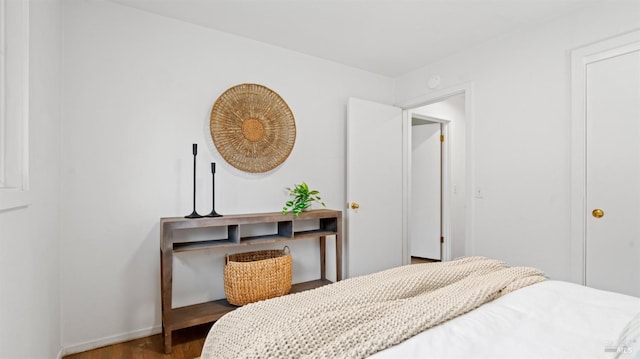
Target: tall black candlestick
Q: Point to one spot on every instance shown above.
(213, 192)
(194, 214)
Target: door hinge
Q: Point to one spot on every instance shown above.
(441, 239)
(441, 138)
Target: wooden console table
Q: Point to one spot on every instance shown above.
(329, 223)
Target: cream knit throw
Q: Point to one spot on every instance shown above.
(357, 317)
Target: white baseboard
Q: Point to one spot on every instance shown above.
(114, 339)
(59, 356)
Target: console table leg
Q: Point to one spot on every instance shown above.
(166, 336)
(323, 256)
(166, 287)
(339, 254)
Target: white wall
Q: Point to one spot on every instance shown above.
(29, 259)
(138, 91)
(522, 139)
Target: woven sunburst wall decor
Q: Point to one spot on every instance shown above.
(252, 128)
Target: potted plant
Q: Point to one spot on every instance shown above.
(303, 198)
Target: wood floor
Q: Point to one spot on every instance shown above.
(415, 260)
(187, 344)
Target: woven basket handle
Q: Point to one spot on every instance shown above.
(286, 250)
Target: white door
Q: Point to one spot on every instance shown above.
(374, 185)
(613, 174)
(426, 169)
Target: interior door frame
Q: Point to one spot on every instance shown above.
(580, 58)
(445, 173)
(433, 97)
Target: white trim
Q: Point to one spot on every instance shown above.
(437, 96)
(113, 339)
(580, 58)
(11, 198)
(445, 185)
(428, 118)
(25, 97)
(446, 193)
(14, 192)
(3, 25)
(406, 183)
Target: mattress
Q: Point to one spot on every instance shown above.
(551, 319)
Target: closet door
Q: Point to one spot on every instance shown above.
(613, 173)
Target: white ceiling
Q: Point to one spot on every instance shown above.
(387, 37)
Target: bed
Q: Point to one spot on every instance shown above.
(472, 307)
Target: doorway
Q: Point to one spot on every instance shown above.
(378, 176)
(437, 179)
(427, 160)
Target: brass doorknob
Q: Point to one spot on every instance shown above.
(355, 205)
(598, 213)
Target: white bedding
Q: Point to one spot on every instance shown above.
(552, 319)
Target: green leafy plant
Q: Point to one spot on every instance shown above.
(303, 198)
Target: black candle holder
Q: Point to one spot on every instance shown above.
(213, 192)
(194, 214)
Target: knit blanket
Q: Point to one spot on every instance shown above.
(357, 317)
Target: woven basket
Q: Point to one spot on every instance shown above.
(259, 275)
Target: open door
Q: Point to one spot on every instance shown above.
(374, 218)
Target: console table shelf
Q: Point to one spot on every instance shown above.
(191, 315)
(326, 223)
